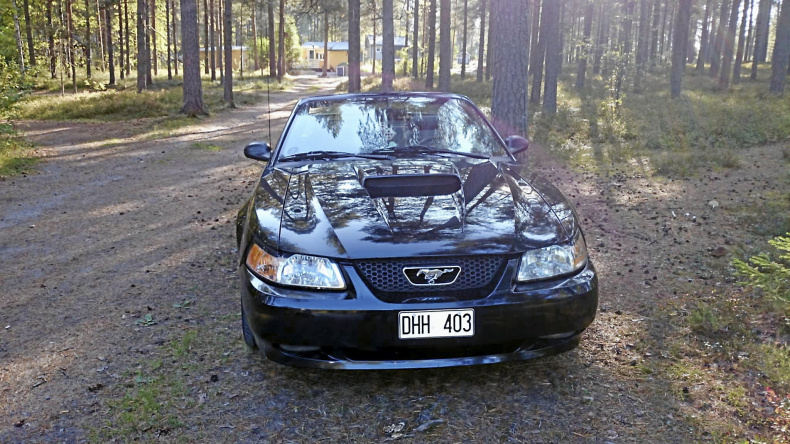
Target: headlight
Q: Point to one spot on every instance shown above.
(298, 270)
(551, 261)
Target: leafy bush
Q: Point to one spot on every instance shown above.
(11, 84)
(106, 105)
(772, 276)
(15, 156)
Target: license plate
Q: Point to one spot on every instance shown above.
(436, 324)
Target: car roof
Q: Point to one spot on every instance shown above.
(383, 95)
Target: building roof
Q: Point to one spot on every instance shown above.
(220, 48)
(333, 46)
(399, 40)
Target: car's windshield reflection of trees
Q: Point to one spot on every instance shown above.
(330, 118)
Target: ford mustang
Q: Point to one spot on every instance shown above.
(400, 230)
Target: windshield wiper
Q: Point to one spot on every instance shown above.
(328, 155)
(424, 149)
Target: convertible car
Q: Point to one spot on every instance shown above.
(400, 230)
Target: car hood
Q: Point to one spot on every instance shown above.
(330, 209)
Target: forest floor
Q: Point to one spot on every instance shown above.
(119, 308)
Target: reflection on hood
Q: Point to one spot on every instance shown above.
(323, 209)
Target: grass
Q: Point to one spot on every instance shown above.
(122, 102)
(15, 152)
(702, 129)
(207, 146)
(769, 216)
(155, 394)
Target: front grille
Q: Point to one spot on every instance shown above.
(476, 279)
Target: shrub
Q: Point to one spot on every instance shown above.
(772, 276)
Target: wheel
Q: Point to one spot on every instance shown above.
(246, 331)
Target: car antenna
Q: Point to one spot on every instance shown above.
(269, 107)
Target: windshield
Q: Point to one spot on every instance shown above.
(370, 124)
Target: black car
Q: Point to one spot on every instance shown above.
(398, 231)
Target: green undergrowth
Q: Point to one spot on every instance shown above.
(15, 152)
(705, 128)
(96, 101)
(767, 216)
(172, 383)
(155, 397)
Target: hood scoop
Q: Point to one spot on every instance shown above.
(412, 185)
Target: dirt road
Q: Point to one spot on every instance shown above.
(119, 311)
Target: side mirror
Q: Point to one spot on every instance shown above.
(258, 151)
(517, 144)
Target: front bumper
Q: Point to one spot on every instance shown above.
(358, 331)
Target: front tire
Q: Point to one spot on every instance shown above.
(246, 331)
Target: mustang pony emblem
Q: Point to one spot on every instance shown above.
(431, 274)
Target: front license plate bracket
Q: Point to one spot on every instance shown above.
(423, 324)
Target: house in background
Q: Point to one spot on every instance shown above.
(241, 55)
(313, 55)
(371, 49)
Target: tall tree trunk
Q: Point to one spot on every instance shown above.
(29, 32)
(227, 40)
(781, 54)
(110, 59)
(625, 41)
(375, 46)
(510, 57)
(193, 88)
(654, 31)
(88, 59)
(175, 41)
(538, 56)
(750, 33)
(463, 40)
(736, 70)
(489, 49)
(18, 36)
(100, 34)
(126, 36)
(581, 68)
(762, 28)
(761, 36)
(387, 45)
(642, 50)
(51, 42)
(256, 58)
(431, 45)
(120, 41)
(281, 45)
(326, 41)
(415, 51)
(603, 38)
(662, 40)
(445, 46)
(148, 75)
(272, 48)
(208, 27)
(703, 44)
(153, 37)
(482, 43)
(721, 32)
(212, 42)
(550, 23)
(141, 49)
(167, 41)
(72, 56)
(728, 46)
(221, 38)
(354, 47)
(679, 42)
